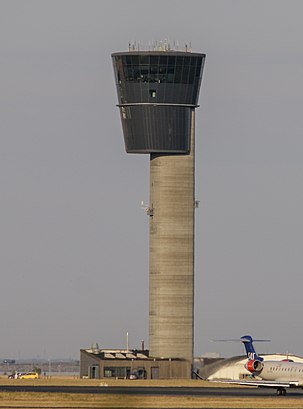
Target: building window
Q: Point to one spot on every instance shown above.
(152, 93)
(116, 372)
(160, 69)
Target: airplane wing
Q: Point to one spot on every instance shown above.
(269, 384)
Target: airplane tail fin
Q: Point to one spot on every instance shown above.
(249, 347)
(248, 341)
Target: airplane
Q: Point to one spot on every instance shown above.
(272, 374)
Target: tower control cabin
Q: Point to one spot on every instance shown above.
(158, 93)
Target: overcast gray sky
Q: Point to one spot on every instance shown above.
(73, 238)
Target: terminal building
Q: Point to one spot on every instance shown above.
(98, 363)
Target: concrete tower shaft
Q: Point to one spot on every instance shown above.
(172, 199)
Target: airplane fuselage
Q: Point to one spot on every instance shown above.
(282, 371)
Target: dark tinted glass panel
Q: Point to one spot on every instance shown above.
(130, 73)
(128, 60)
(144, 69)
(153, 77)
(179, 60)
(185, 73)
(125, 70)
(198, 70)
(162, 73)
(170, 77)
(192, 71)
(187, 61)
(154, 69)
(136, 72)
(154, 59)
(170, 73)
(171, 60)
(178, 74)
(153, 73)
(144, 59)
(199, 63)
(163, 60)
(135, 59)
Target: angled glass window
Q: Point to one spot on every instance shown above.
(178, 74)
(135, 59)
(179, 61)
(172, 60)
(154, 59)
(137, 74)
(199, 65)
(170, 73)
(163, 60)
(130, 73)
(185, 73)
(144, 73)
(192, 71)
(153, 76)
(144, 59)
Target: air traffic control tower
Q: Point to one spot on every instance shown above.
(158, 93)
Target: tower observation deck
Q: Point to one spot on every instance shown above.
(158, 92)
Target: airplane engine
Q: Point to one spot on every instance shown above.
(254, 366)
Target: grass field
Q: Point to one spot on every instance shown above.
(63, 400)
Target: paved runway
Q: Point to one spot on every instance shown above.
(169, 391)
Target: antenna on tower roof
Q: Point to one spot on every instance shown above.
(161, 45)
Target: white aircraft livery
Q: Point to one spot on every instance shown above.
(274, 374)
